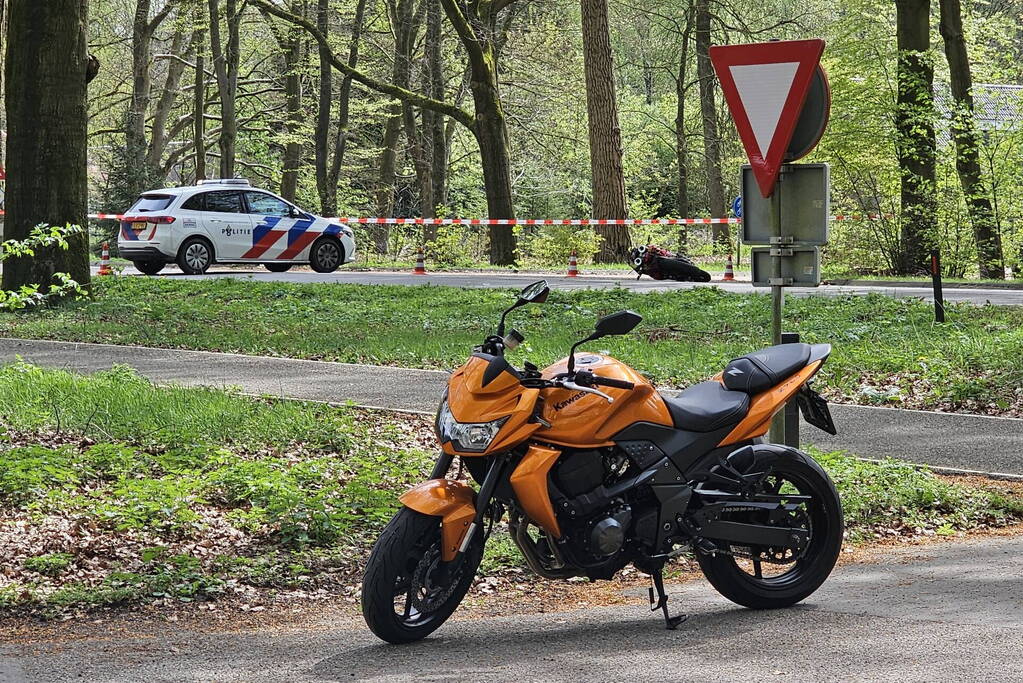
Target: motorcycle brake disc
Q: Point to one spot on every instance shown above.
(426, 596)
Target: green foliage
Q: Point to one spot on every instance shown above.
(121, 404)
(52, 564)
(34, 295)
(551, 246)
(893, 497)
(179, 577)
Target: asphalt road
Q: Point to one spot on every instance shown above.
(947, 611)
(604, 281)
(967, 442)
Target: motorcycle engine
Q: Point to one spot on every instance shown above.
(607, 534)
(596, 526)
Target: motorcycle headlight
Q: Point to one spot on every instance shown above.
(467, 437)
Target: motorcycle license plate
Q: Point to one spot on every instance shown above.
(815, 410)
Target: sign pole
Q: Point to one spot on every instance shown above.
(777, 434)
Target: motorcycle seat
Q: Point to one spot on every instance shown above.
(759, 371)
(707, 406)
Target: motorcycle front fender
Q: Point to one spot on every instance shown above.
(453, 502)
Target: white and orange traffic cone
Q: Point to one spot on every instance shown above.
(104, 263)
(420, 263)
(729, 271)
(573, 265)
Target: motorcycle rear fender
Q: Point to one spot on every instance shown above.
(452, 501)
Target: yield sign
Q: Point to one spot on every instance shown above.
(765, 86)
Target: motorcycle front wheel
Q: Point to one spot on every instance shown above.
(770, 578)
(407, 592)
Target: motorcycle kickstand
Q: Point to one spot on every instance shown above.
(670, 623)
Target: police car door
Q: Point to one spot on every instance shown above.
(227, 223)
(279, 232)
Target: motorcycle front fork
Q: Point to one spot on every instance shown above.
(484, 497)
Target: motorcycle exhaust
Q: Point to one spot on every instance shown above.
(529, 549)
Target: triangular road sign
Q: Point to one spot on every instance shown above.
(765, 86)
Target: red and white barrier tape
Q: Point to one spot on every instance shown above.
(542, 221)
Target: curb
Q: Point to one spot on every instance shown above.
(913, 284)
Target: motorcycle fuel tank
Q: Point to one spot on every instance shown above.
(584, 420)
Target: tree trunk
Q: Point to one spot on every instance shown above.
(491, 134)
(292, 161)
(164, 106)
(385, 187)
(3, 81)
(914, 138)
(978, 203)
(225, 62)
(708, 112)
(681, 141)
(434, 123)
(607, 175)
(135, 119)
(199, 99)
(407, 23)
(321, 138)
(45, 73)
(344, 104)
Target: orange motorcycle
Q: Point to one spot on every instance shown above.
(595, 478)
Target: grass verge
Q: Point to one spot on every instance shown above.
(116, 492)
(886, 351)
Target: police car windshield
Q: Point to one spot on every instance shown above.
(151, 202)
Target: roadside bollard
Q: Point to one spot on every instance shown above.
(939, 298)
(420, 263)
(573, 265)
(104, 263)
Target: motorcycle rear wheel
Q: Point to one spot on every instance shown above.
(406, 595)
(745, 582)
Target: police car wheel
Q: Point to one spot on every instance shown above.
(148, 267)
(277, 267)
(326, 255)
(195, 256)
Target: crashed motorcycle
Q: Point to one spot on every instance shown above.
(661, 264)
(595, 470)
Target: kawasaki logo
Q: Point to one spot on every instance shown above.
(569, 401)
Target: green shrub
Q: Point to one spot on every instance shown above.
(53, 564)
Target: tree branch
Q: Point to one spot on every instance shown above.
(160, 16)
(460, 115)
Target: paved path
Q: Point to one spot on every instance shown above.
(603, 281)
(949, 612)
(984, 444)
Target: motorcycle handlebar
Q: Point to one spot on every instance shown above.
(587, 378)
(616, 383)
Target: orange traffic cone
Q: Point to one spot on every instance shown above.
(729, 272)
(104, 263)
(573, 265)
(420, 263)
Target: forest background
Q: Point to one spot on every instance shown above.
(508, 108)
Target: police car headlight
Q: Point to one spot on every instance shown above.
(348, 231)
(467, 437)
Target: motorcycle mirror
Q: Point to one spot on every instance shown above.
(535, 293)
(621, 322)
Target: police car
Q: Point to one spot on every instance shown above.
(229, 221)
